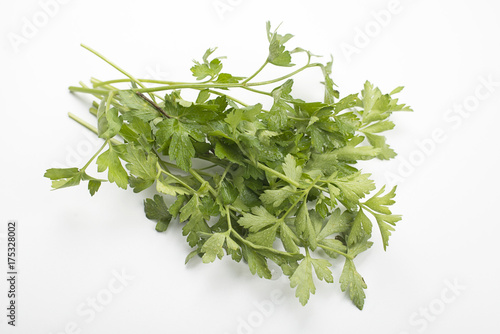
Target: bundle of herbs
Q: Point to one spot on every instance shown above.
(277, 185)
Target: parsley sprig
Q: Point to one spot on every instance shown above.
(276, 185)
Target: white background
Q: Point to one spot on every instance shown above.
(72, 245)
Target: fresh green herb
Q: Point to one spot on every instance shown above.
(276, 185)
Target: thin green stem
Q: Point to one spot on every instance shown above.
(90, 127)
(335, 251)
(109, 100)
(292, 207)
(117, 67)
(202, 181)
(114, 65)
(109, 82)
(207, 167)
(224, 174)
(254, 246)
(257, 91)
(95, 155)
(256, 72)
(176, 179)
(291, 74)
(92, 91)
(278, 174)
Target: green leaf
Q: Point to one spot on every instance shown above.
(380, 203)
(259, 218)
(277, 117)
(61, 173)
(169, 186)
(277, 53)
(305, 227)
(350, 153)
(330, 93)
(94, 186)
(290, 168)
(347, 102)
(359, 247)
(289, 239)
(191, 213)
(227, 78)
(397, 90)
(385, 219)
(213, 248)
(137, 106)
(332, 247)
(322, 271)
(351, 280)
(276, 197)
(337, 223)
(237, 116)
(68, 182)
(109, 122)
(207, 68)
(303, 280)
(378, 142)
(386, 224)
(361, 228)
(110, 161)
(177, 205)
(264, 237)
(227, 192)
(203, 96)
(140, 164)
(354, 186)
(182, 150)
(231, 152)
(157, 210)
(379, 127)
(256, 263)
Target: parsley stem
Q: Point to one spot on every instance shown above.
(255, 74)
(116, 67)
(249, 243)
(224, 174)
(292, 207)
(255, 246)
(89, 126)
(278, 174)
(108, 82)
(95, 155)
(202, 181)
(304, 195)
(256, 91)
(336, 251)
(176, 179)
(291, 74)
(364, 206)
(89, 90)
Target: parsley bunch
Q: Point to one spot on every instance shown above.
(277, 185)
